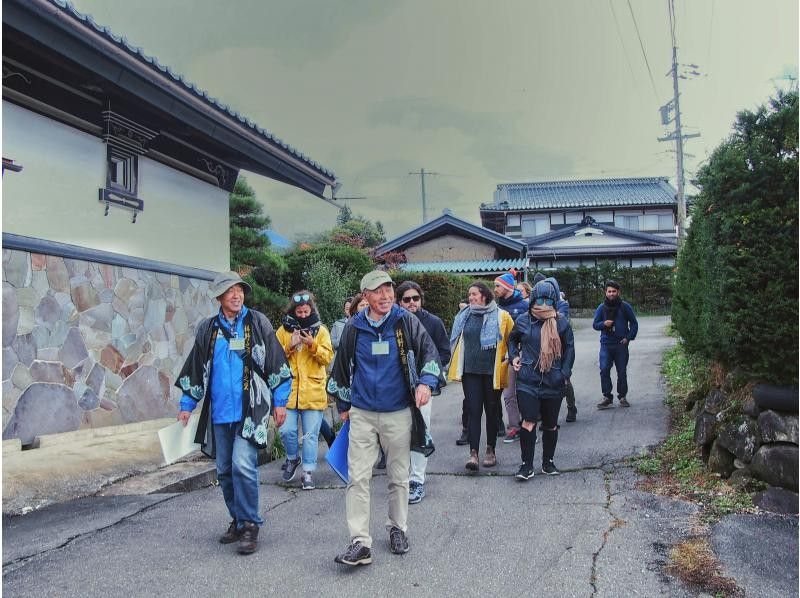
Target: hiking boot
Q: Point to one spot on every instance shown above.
(416, 492)
(572, 412)
(232, 535)
(623, 402)
(308, 481)
(355, 554)
(605, 403)
(398, 543)
(549, 468)
(525, 472)
(248, 539)
(464, 438)
(291, 469)
(490, 459)
(472, 464)
(511, 436)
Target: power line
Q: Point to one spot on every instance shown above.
(641, 45)
(621, 41)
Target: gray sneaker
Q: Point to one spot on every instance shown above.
(355, 554)
(398, 543)
(605, 403)
(291, 469)
(416, 492)
(308, 481)
(623, 402)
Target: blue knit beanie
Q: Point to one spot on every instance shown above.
(507, 280)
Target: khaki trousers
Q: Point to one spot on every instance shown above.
(367, 430)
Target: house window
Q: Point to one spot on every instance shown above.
(629, 222)
(573, 217)
(602, 217)
(533, 226)
(650, 222)
(512, 220)
(122, 170)
(557, 218)
(665, 222)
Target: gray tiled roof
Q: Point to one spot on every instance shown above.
(122, 42)
(583, 194)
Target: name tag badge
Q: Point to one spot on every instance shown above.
(380, 348)
(236, 344)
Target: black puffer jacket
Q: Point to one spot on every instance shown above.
(525, 341)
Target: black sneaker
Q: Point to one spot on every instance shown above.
(572, 412)
(232, 535)
(355, 554)
(550, 468)
(605, 403)
(398, 543)
(464, 438)
(525, 472)
(623, 402)
(291, 470)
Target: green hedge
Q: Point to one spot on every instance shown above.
(443, 292)
(737, 281)
(648, 289)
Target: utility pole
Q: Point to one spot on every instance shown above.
(422, 174)
(677, 135)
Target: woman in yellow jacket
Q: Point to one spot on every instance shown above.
(307, 344)
(479, 342)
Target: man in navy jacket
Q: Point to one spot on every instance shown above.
(617, 324)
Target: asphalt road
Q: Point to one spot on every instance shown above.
(586, 532)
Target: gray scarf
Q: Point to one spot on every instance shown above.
(490, 328)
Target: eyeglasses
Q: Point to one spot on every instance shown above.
(543, 301)
(303, 297)
(410, 299)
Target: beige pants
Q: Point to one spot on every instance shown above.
(393, 432)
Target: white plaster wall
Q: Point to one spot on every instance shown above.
(55, 197)
(584, 241)
(448, 248)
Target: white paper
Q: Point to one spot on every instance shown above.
(177, 440)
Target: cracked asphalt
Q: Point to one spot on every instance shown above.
(587, 532)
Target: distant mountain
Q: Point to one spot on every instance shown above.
(279, 243)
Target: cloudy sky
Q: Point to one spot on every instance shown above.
(481, 93)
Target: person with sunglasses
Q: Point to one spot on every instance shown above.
(307, 344)
(478, 343)
(410, 296)
(542, 351)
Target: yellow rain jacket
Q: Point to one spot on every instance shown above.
(500, 378)
(308, 369)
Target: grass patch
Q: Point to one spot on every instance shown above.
(693, 561)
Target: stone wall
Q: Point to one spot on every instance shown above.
(742, 440)
(87, 345)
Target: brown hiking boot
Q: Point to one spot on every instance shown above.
(248, 539)
(623, 402)
(231, 536)
(472, 464)
(490, 460)
(605, 403)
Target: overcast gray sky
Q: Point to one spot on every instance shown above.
(481, 93)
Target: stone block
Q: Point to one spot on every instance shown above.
(47, 371)
(57, 274)
(25, 348)
(44, 408)
(78, 267)
(59, 334)
(38, 262)
(141, 396)
(705, 429)
(119, 326)
(74, 350)
(84, 296)
(48, 354)
(96, 379)
(10, 361)
(715, 402)
(10, 314)
(48, 312)
(720, 460)
(27, 300)
(777, 500)
(777, 465)
(21, 377)
(40, 284)
(774, 426)
(111, 358)
(89, 400)
(17, 270)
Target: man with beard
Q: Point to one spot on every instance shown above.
(617, 324)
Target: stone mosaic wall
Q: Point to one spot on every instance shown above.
(87, 345)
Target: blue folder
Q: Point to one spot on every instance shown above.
(337, 454)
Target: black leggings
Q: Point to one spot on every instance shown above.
(481, 396)
(531, 409)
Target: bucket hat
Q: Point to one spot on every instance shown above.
(372, 280)
(225, 280)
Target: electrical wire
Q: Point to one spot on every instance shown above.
(621, 41)
(641, 45)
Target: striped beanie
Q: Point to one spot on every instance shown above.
(507, 280)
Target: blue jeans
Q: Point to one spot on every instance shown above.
(616, 355)
(237, 472)
(311, 421)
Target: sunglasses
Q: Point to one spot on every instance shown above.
(303, 297)
(543, 301)
(410, 299)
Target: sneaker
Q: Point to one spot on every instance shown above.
(464, 438)
(472, 464)
(398, 543)
(511, 436)
(232, 535)
(572, 412)
(605, 403)
(248, 540)
(623, 402)
(550, 468)
(291, 469)
(416, 492)
(355, 554)
(308, 481)
(525, 472)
